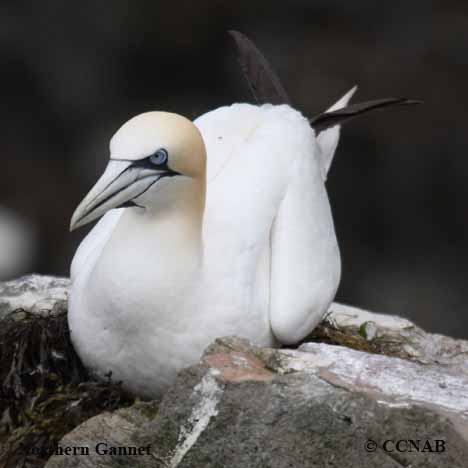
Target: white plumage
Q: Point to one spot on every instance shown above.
(154, 284)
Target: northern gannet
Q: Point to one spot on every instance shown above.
(216, 227)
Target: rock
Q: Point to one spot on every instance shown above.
(364, 390)
(398, 336)
(108, 430)
(321, 405)
(34, 293)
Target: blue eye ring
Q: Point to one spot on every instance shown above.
(159, 158)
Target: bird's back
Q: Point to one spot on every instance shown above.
(251, 160)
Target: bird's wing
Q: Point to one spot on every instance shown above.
(265, 190)
(305, 260)
(328, 139)
(262, 80)
(92, 245)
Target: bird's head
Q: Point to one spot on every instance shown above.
(154, 157)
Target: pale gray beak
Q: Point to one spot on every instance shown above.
(121, 182)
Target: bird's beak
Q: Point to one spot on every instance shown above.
(121, 182)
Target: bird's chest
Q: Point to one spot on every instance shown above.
(144, 279)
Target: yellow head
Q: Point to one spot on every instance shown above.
(154, 158)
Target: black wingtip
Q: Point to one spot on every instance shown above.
(262, 80)
(267, 88)
(331, 119)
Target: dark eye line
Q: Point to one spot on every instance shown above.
(146, 162)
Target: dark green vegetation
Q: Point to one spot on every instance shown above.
(45, 391)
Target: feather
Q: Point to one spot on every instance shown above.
(262, 80)
(330, 119)
(328, 139)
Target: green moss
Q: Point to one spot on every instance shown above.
(45, 391)
(328, 331)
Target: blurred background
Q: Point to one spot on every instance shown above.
(73, 72)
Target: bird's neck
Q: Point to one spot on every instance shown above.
(167, 239)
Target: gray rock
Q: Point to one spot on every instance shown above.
(33, 293)
(109, 430)
(399, 336)
(321, 406)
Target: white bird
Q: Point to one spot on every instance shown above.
(212, 228)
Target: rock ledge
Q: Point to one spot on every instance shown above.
(362, 383)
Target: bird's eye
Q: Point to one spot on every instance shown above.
(159, 158)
